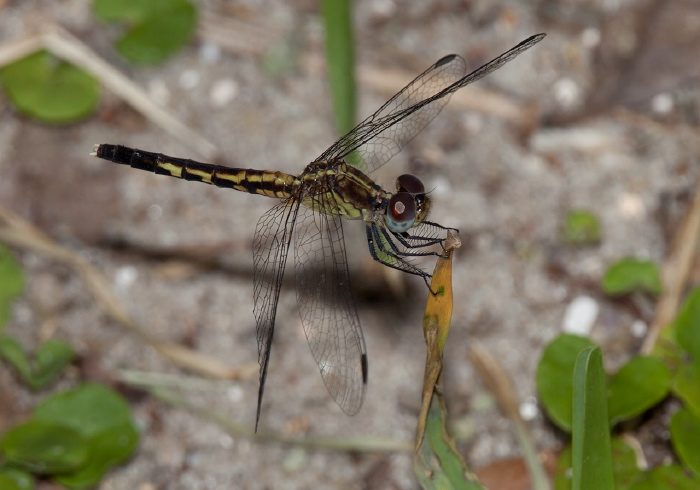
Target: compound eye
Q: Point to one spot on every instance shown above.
(401, 212)
(411, 184)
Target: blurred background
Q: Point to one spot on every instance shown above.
(601, 116)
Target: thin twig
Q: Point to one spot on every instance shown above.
(676, 271)
(500, 384)
(20, 233)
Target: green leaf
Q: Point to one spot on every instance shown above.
(11, 351)
(591, 450)
(44, 447)
(158, 28)
(48, 363)
(685, 434)
(628, 275)
(11, 283)
(90, 409)
(687, 387)
(50, 90)
(107, 449)
(637, 386)
(15, 479)
(437, 464)
(104, 418)
(555, 377)
(665, 478)
(688, 325)
(581, 228)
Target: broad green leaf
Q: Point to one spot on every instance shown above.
(15, 479)
(91, 409)
(581, 228)
(637, 386)
(688, 325)
(44, 447)
(591, 451)
(157, 28)
(665, 478)
(11, 283)
(687, 387)
(685, 434)
(50, 90)
(107, 449)
(628, 275)
(555, 377)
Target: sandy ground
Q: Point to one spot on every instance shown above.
(602, 115)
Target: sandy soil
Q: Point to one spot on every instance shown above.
(602, 115)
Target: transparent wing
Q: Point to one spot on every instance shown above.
(327, 309)
(270, 249)
(383, 134)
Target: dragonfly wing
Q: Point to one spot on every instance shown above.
(383, 134)
(270, 248)
(327, 309)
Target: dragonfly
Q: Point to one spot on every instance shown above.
(312, 206)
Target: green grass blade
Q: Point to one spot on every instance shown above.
(340, 56)
(592, 454)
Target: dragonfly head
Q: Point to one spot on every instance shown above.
(409, 206)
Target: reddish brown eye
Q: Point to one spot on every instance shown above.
(401, 212)
(410, 183)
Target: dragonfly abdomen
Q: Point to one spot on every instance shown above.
(263, 182)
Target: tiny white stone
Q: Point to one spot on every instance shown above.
(222, 92)
(631, 206)
(210, 52)
(125, 276)
(590, 37)
(189, 79)
(528, 409)
(580, 315)
(662, 103)
(639, 328)
(154, 212)
(567, 92)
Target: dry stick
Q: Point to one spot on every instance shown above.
(18, 232)
(498, 382)
(676, 271)
(64, 45)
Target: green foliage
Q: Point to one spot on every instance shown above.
(45, 448)
(45, 366)
(50, 90)
(685, 434)
(581, 228)
(628, 275)
(687, 325)
(591, 453)
(157, 28)
(75, 436)
(15, 479)
(555, 377)
(11, 283)
(639, 385)
(627, 475)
